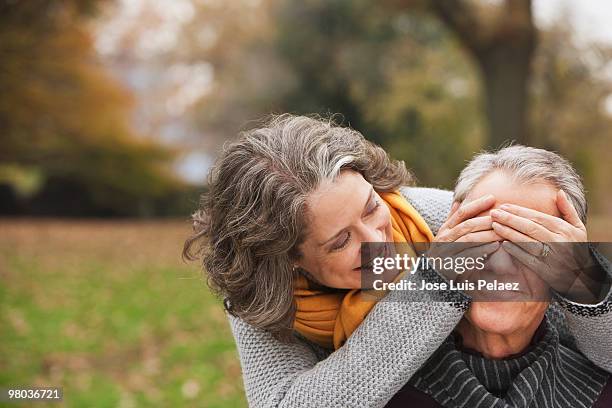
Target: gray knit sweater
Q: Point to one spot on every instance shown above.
(395, 339)
(546, 374)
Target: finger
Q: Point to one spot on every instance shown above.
(471, 225)
(510, 234)
(535, 248)
(567, 210)
(454, 207)
(563, 280)
(480, 250)
(533, 263)
(481, 236)
(525, 226)
(476, 253)
(452, 211)
(471, 209)
(550, 222)
(453, 249)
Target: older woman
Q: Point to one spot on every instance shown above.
(507, 354)
(280, 231)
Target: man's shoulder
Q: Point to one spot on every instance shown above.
(432, 203)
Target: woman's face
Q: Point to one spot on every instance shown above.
(341, 215)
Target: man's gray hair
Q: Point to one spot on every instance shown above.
(525, 165)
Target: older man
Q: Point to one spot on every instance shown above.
(506, 353)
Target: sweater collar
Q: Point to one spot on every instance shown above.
(460, 378)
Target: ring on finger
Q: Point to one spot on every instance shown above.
(546, 250)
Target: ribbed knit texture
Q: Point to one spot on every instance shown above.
(392, 343)
(549, 375)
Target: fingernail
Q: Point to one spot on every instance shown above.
(505, 206)
(496, 213)
(495, 225)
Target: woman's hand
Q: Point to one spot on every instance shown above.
(473, 236)
(554, 248)
(462, 224)
(520, 224)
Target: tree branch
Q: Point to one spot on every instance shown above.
(460, 18)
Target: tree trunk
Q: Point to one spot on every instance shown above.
(505, 75)
(501, 40)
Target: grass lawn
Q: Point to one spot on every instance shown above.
(108, 311)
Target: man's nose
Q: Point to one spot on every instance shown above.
(501, 262)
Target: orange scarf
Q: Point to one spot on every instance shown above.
(329, 318)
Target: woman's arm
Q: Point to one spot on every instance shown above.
(591, 325)
(391, 344)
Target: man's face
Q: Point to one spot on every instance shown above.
(508, 317)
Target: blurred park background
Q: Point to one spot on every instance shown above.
(112, 112)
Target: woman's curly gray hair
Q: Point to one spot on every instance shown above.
(253, 216)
